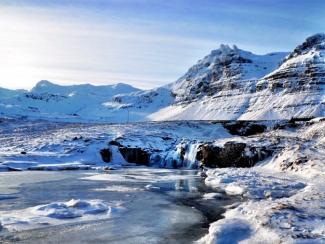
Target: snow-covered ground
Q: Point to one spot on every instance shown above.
(117, 103)
(53, 146)
(282, 196)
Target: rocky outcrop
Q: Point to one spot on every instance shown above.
(244, 128)
(135, 155)
(115, 143)
(193, 154)
(131, 154)
(106, 155)
(232, 154)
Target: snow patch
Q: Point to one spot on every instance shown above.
(58, 213)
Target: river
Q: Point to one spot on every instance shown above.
(158, 205)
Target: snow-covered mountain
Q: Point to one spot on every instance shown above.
(234, 84)
(229, 83)
(113, 103)
(224, 69)
(296, 88)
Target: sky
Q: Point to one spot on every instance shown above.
(145, 43)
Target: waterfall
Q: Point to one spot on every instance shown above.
(117, 157)
(190, 161)
(184, 156)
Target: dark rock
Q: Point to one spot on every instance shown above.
(77, 138)
(23, 152)
(106, 155)
(182, 153)
(166, 138)
(107, 168)
(14, 169)
(208, 155)
(135, 155)
(203, 174)
(253, 129)
(244, 128)
(114, 143)
(233, 154)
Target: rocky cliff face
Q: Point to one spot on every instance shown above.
(224, 69)
(303, 69)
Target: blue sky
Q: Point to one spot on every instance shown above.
(146, 43)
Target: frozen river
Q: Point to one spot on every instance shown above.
(130, 205)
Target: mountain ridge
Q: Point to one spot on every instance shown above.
(227, 84)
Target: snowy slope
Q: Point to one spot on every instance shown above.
(113, 103)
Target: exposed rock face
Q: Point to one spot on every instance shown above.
(135, 155)
(106, 155)
(302, 70)
(233, 154)
(244, 128)
(224, 69)
(114, 143)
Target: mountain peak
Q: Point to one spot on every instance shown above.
(43, 83)
(314, 42)
(225, 50)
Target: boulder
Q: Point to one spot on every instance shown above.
(114, 143)
(135, 155)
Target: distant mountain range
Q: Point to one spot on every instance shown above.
(229, 83)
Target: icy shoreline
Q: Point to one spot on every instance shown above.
(277, 208)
